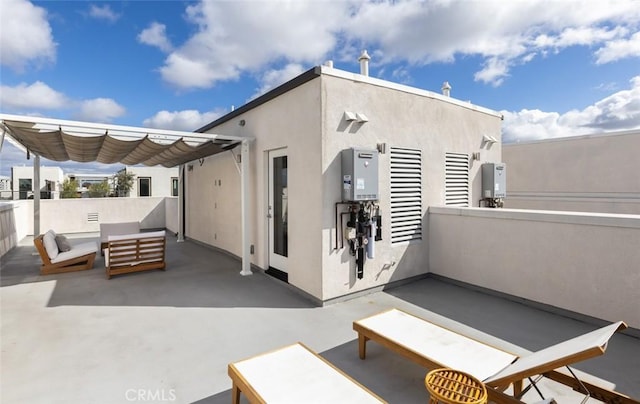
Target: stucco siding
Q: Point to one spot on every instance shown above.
(595, 173)
(399, 119)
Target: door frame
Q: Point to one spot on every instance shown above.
(274, 261)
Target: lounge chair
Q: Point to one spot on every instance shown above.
(433, 346)
(79, 258)
(295, 374)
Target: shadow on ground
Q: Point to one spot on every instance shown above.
(196, 276)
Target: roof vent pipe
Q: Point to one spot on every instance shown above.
(446, 89)
(364, 63)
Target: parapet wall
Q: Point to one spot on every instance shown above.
(581, 262)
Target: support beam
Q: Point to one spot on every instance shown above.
(245, 180)
(36, 195)
(181, 203)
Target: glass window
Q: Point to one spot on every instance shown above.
(174, 186)
(144, 186)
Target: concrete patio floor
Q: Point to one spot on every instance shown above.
(168, 336)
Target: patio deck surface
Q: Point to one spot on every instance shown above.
(168, 336)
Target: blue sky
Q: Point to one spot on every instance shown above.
(553, 68)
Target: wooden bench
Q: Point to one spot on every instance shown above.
(79, 258)
(134, 253)
(295, 374)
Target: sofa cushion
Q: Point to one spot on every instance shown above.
(77, 251)
(110, 229)
(50, 245)
(63, 243)
(160, 233)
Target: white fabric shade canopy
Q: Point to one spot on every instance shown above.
(109, 144)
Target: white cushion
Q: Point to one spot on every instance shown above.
(160, 233)
(50, 245)
(77, 251)
(108, 229)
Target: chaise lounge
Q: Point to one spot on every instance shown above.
(78, 257)
(433, 346)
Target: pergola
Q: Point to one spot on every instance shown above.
(62, 140)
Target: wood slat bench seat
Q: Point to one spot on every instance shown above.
(134, 253)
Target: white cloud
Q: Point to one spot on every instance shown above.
(504, 34)
(187, 120)
(274, 77)
(31, 96)
(155, 35)
(237, 37)
(103, 13)
(619, 49)
(25, 35)
(99, 110)
(619, 111)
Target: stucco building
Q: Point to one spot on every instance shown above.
(592, 173)
(430, 149)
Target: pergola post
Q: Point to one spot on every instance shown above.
(180, 203)
(244, 206)
(36, 195)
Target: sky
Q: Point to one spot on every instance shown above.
(552, 68)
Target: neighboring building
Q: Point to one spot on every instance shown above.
(51, 179)
(592, 173)
(5, 187)
(149, 181)
(154, 181)
(431, 150)
(85, 180)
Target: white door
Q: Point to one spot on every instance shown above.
(277, 210)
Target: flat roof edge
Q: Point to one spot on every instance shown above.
(268, 96)
(594, 135)
(329, 71)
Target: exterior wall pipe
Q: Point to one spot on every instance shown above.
(244, 206)
(36, 195)
(181, 203)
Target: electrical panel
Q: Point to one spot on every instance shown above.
(359, 175)
(494, 180)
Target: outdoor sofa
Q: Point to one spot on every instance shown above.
(116, 229)
(134, 253)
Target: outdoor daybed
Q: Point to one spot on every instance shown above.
(433, 346)
(134, 252)
(73, 257)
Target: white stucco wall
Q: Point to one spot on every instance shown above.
(399, 117)
(72, 215)
(160, 179)
(308, 122)
(13, 219)
(291, 121)
(583, 262)
(594, 173)
(53, 174)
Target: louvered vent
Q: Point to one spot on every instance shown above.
(457, 179)
(92, 217)
(406, 194)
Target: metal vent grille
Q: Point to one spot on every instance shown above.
(456, 179)
(406, 194)
(92, 217)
